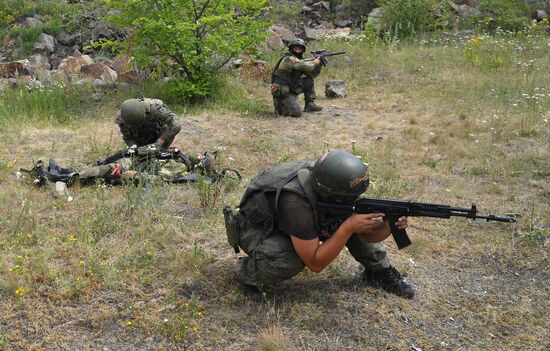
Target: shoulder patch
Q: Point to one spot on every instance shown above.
(293, 59)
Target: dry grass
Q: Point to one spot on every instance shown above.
(146, 268)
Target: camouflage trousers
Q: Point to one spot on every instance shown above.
(274, 260)
(288, 105)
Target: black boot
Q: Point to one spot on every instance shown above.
(390, 280)
(311, 107)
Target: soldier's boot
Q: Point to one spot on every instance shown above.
(312, 107)
(390, 280)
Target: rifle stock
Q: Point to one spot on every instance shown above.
(393, 209)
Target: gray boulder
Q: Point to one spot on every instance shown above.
(45, 44)
(335, 88)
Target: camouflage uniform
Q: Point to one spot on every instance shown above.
(291, 77)
(159, 122)
(271, 255)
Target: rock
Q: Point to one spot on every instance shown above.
(344, 24)
(274, 41)
(6, 83)
(322, 7)
(315, 33)
(61, 190)
(72, 65)
(285, 34)
(465, 11)
(45, 44)
(66, 39)
(99, 71)
(374, 20)
(339, 33)
(335, 88)
(122, 64)
(16, 69)
(32, 22)
(306, 10)
(40, 62)
(103, 30)
(539, 15)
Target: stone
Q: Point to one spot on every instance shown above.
(374, 19)
(339, 33)
(16, 69)
(45, 44)
(66, 39)
(99, 71)
(335, 88)
(103, 30)
(40, 62)
(467, 11)
(122, 64)
(274, 41)
(285, 34)
(32, 22)
(315, 33)
(323, 7)
(72, 65)
(344, 24)
(539, 15)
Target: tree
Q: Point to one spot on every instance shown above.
(196, 36)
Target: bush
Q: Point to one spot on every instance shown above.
(512, 15)
(404, 18)
(192, 38)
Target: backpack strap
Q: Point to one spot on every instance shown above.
(280, 188)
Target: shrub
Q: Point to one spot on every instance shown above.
(512, 15)
(404, 18)
(192, 38)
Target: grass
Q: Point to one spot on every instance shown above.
(149, 267)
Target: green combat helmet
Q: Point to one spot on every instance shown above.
(297, 42)
(132, 112)
(340, 174)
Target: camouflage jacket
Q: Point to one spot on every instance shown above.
(160, 122)
(290, 69)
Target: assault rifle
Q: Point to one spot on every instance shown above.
(142, 152)
(393, 209)
(323, 54)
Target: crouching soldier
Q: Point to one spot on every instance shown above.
(280, 228)
(292, 76)
(147, 122)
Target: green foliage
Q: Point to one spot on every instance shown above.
(512, 15)
(192, 38)
(37, 104)
(405, 18)
(28, 36)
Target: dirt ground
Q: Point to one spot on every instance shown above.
(478, 286)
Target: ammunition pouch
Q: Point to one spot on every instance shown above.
(232, 227)
(279, 91)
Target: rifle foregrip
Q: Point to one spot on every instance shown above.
(399, 235)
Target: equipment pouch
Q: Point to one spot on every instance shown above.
(279, 91)
(231, 227)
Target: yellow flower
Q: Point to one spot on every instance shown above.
(129, 323)
(195, 330)
(81, 262)
(72, 238)
(199, 313)
(20, 292)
